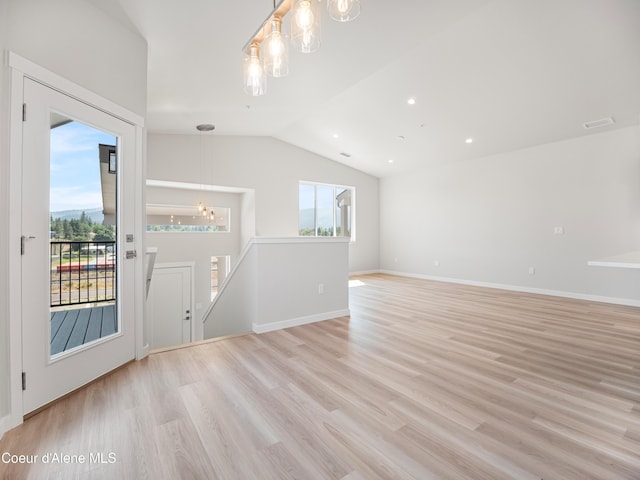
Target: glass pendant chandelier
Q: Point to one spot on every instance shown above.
(306, 25)
(267, 51)
(275, 50)
(343, 10)
(255, 78)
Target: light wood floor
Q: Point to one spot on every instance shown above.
(425, 380)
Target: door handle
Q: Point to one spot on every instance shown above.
(23, 238)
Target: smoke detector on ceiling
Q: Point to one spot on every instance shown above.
(603, 122)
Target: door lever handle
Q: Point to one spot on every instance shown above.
(22, 241)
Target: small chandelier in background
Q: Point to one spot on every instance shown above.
(206, 212)
(267, 51)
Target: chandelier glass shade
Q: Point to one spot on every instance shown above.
(275, 50)
(343, 10)
(306, 26)
(255, 78)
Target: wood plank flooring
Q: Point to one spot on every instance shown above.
(425, 380)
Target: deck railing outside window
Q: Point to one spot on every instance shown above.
(82, 272)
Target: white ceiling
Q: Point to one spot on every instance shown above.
(508, 73)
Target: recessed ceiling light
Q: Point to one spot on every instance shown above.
(390, 160)
(335, 135)
(400, 137)
(469, 140)
(411, 101)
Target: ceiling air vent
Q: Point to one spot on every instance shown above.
(599, 123)
(344, 154)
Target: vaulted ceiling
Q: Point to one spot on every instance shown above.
(507, 73)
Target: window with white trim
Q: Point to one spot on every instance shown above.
(187, 218)
(326, 210)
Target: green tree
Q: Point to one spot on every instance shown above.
(103, 233)
(67, 231)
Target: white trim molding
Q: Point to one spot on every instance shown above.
(296, 322)
(4, 421)
(364, 272)
(516, 288)
(61, 84)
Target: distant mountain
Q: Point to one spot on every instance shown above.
(307, 217)
(95, 214)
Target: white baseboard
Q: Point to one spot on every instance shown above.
(294, 322)
(516, 288)
(6, 424)
(9, 422)
(364, 272)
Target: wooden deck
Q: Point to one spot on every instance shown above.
(72, 328)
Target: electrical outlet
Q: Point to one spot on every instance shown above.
(558, 230)
(532, 271)
(321, 289)
(436, 263)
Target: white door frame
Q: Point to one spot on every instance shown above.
(21, 68)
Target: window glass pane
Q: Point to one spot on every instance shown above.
(307, 215)
(324, 203)
(220, 268)
(186, 218)
(325, 210)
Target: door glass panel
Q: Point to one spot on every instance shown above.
(82, 238)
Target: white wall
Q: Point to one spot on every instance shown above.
(272, 169)
(276, 285)
(289, 275)
(490, 219)
(236, 306)
(197, 247)
(247, 218)
(81, 43)
(76, 41)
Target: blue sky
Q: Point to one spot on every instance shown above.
(75, 168)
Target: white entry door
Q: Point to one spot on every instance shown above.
(169, 306)
(77, 283)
